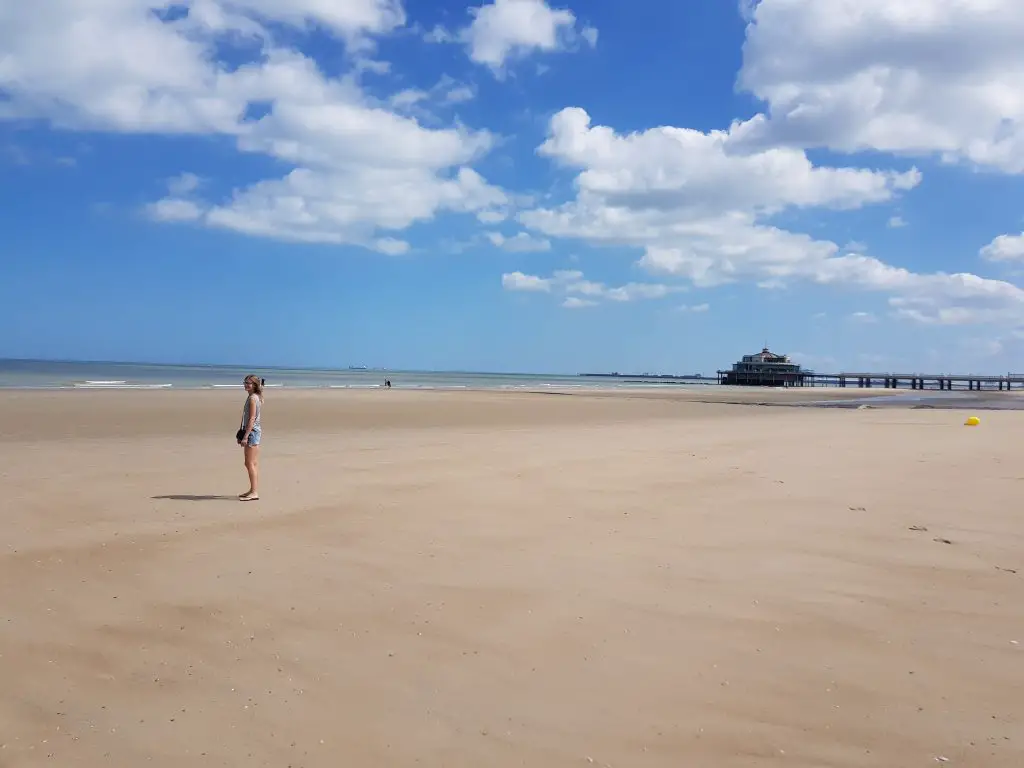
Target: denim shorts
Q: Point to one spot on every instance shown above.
(254, 437)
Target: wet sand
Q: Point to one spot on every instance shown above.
(496, 579)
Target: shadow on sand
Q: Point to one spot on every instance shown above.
(194, 497)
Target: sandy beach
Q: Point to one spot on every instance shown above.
(471, 579)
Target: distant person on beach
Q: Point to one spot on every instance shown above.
(387, 383)
(250, 433)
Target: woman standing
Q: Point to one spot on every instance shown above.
(250, 433)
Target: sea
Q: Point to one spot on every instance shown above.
(60, 375)
(36, 374)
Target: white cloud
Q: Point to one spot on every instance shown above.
(896, 222)
(746, 8)
(915, 76)
(391, 247)
(491, 217)
(359, 170)
(1005, 248)
(668, 168)
(174, 209)
(634, 291)
(349, 18)
(410, 97)
(517, 281)
(699, 207)
(183, 184)
(503, 30)
(459, 94)
(572, 283)
(521, 242)
(575, 302)
(439, 34)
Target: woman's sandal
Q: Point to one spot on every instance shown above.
(248, 497)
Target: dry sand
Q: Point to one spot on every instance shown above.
(473, 579)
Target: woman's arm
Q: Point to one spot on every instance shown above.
(252, 416)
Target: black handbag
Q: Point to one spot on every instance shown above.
(239, 435)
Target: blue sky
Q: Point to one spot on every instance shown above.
(514, 184)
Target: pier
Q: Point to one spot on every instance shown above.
(767, 369)
(937, 381)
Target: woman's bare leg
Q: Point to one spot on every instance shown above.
(252, 468)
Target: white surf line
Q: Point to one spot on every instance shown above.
(97, 385)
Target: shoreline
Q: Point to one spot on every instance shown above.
(794, 397)
(35, 376)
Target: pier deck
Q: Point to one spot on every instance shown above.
(937, 381)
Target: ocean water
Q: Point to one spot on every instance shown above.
(32, 374)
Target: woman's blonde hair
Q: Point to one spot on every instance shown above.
(257, 384)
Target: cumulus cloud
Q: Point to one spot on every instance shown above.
(1004, 248)
(581, 292)
(575, 302)
(916, 77)
(183, 184)
(358, 168)
(391, 246)
(504, 30)
(491, 217)
(668, 168)
(517, 281)
(699, 206)
(174, 209)
(521, 242)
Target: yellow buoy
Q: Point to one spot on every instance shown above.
(972, 421)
